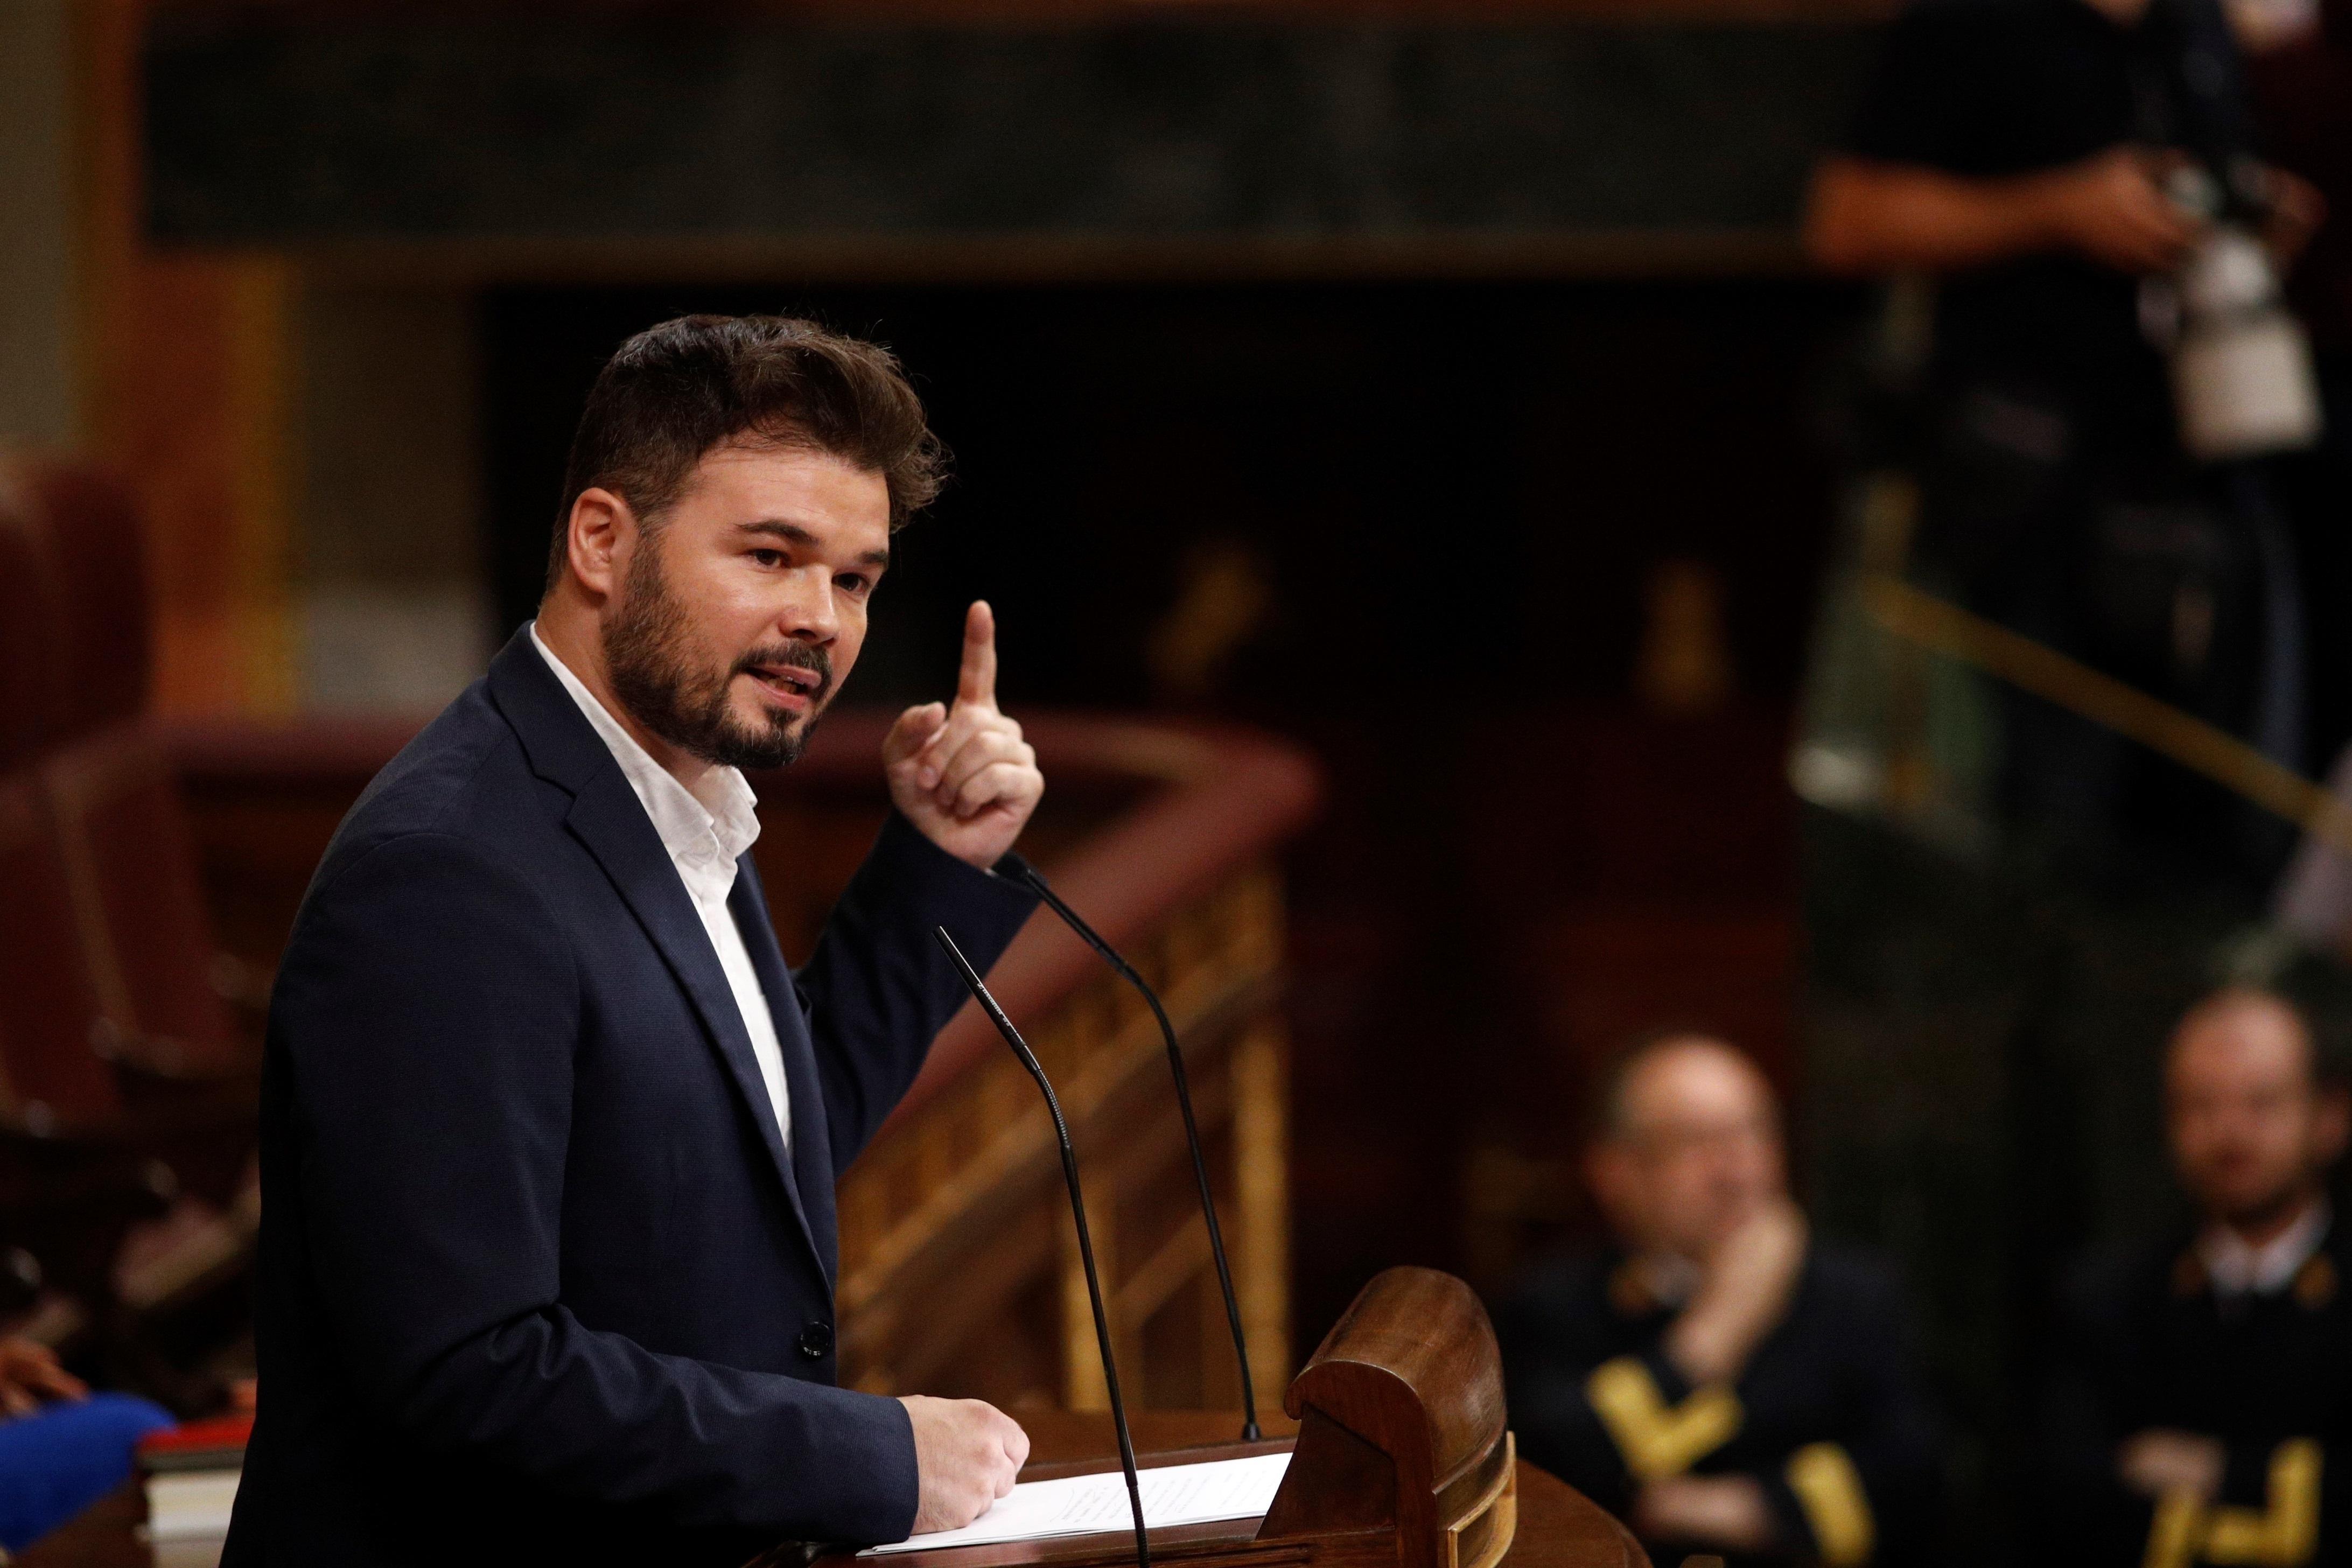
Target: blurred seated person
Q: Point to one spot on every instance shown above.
(1715, 1377)
(61, 1446)
(2204, 1401)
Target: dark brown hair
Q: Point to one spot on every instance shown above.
(673, 391)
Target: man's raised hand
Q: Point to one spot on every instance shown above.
(962, 773)
(966, 1454)
(1743, 1293)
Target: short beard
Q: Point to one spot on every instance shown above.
(649, 659)
(2272, 1207)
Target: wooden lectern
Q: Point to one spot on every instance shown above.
(1403, 1461)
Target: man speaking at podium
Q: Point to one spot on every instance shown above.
(549, 1132)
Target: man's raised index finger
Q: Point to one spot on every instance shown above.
(977, 682)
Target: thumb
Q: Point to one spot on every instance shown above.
(913, 731)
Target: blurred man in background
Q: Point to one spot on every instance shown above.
(2053, 164)
(2039, 172)
(1715, 1377)
(2205, 1398)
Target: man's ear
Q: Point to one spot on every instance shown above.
(599, 536)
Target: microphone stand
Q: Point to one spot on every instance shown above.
(1126, 971)
(1078, 1211)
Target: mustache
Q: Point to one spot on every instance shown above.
(797, 656)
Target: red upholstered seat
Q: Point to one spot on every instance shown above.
(123, 837)
(29, 629)
(119, 1070)
(85, 531)
(121, 832)
(47, 1003)
(49, 1073)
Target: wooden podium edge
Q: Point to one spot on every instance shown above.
(1498, 1510)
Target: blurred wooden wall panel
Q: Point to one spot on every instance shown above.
(186, 394)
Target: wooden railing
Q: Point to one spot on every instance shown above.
(936, 1287)
(959, 1269)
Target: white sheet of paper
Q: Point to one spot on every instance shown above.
(1081, 1505)
(190, 1505)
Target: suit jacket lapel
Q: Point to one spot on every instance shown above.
(607, 817)
(811, 1142)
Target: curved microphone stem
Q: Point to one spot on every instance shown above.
(1093, 939)
(1078, 1210)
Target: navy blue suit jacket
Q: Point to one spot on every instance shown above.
(538, 1281)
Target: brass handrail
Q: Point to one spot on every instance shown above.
(1920, 617)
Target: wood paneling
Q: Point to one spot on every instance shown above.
(1236, 140)
(956, 1217)
(186, 396)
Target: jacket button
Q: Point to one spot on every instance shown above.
(816, 1340)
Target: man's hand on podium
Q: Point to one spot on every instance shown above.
(966, 1454)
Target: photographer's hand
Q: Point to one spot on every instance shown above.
(2112, 207)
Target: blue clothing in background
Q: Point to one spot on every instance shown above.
(61, 1458)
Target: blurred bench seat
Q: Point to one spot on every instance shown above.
(126, 1085)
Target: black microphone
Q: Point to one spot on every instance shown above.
(1093, 939)
(1079, 1212)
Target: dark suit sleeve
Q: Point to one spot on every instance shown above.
(878, 987)
(2104, 1390)
(425, 1025)
(1887, 1449)
(2106, 1387)
(1551, 1343)
(2082, 1511)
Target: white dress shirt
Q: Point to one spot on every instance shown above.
(2238, 1269)
(705, 831)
